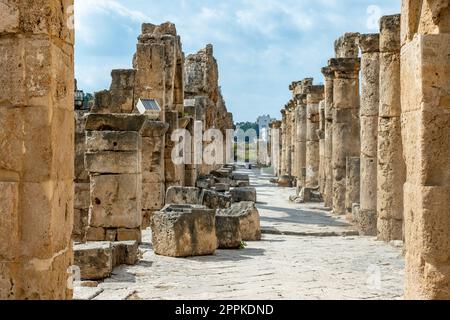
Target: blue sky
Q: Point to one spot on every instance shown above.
(261, 45)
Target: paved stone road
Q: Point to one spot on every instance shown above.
(311, 262)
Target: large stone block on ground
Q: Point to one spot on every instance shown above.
(215, 200)
(184, 231)
(243, 194)
(182, 195)
(228, 231)
(249, 219)
(115, 201)
(286, 181)
(95, 260)
(222, 173)
(240, 177)
(125, 252)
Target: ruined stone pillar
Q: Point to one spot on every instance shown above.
(314, 96)
(275, 143)
(328, 189)
(425, 87)
(301, 181)
(113, 160)
(321, 135)
(37, 149)
(153, 178)
(284, 146)
(159, 65)
(346, 141)
(288, 140)
(82, 185)
(391, 166)
(292, 110)
(301, 97)
(370, 102)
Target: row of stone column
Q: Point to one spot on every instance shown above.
(383, 161)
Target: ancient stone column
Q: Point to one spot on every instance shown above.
(37, 149)
(275, 143)
(321, 135)
(314, 96)
(391, 166)
(425, 87)
(292, 109)
(283, 143)
(370, 102)
(328, 189)
(346, 141)
(113, 159)
(301, 98)
(288, 139)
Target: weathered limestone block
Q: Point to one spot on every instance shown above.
(153, 195)
(184, 231)
(95, 234)
(115, 122)
(240, 177)
(116, 201)
(249, 219)
(391, 166)
(222, 187)
(222, 173)
(182, 195)
(243, 194)
(122, 91)
(215, 200)
(228, 231)
(111, 162)
(286, 181)
(347, 46)
(95, 260)
(425, 130)
(125, 252)
(126, 234)
(352, 185)
(117, 141)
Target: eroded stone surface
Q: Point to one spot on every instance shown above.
(184, 231)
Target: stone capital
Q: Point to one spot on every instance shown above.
(390, 33)
(315, 94)
(347, 46)
(328, 73)
(345, 66)
(369, 43)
